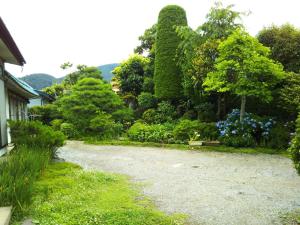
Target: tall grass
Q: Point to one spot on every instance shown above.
(17, 174)
(35, 146)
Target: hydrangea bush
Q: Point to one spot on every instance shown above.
(251, 131)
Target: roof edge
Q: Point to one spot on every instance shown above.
(10, 43)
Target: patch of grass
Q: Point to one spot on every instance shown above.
(66, 194)
(220, 148)
(292, 218)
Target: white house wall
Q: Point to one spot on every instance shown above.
(3, 118)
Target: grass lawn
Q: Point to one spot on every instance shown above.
(220, 148)
(65, 195)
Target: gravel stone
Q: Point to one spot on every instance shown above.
(211, 187)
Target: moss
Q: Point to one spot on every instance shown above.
(167, 76)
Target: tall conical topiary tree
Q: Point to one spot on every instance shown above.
(167, 75)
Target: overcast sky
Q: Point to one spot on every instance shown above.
(96, 32)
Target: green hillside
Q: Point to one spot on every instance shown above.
(106, 70)
(41, 80)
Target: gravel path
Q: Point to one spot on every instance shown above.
(213, 188)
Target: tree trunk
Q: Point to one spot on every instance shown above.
(243, 106)
(219, 107)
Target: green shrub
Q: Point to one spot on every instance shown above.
(295, 147)
(279, 137)
(146, 100)
(208, 131)
(149, 116)
(68, 129)
(148, 85)
(150, 133)
(17, 174)
(189, 115)
(185, 129)
(238, 141)
(35, 134)
(166, 112)
(104, 126)
(123, 116)
(167, 76)
(45, 113)
(56, 123)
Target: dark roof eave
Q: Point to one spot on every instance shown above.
(10, 43)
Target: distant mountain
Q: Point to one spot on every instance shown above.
(41, 80)
(106, 70)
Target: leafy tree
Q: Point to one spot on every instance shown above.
(56, 90)
(289, 93)
(284, 42)
(167, 75)
(198, 51)
(147, 41)
(87, 98)
(146, 100)
(81, 73)
(243, 68)
(130, 74)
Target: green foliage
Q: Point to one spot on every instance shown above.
(185, 129)
(34, 134)
(86, 99)
(56, 123)
(148, 85)
(284, 42)
(68, 129)
(45, 113)
(106, 71)
(243, 68)
(150, 133)
(104, 126)
(81, 73)
(130, 74)
(198, 49)
(166, 112)
(35, 146)
(167, 75)
(55, 90)
(146, 100)
(289, 93)
(149, 116)
(279, 137)
(220, 22)
(147, 40)
(123, 116)
(17, 175)
(295, 147)
(238, 141)
(108, 199)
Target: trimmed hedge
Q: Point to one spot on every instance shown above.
(167, 75)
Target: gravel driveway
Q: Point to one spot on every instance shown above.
(212, 188)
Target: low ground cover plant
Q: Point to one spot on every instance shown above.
(65, 194)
